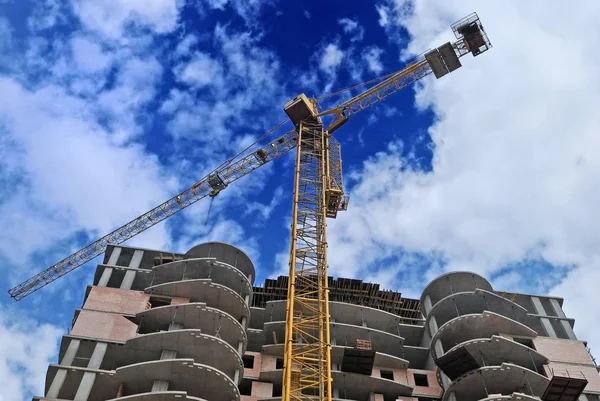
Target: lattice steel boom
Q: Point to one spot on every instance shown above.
(210, 185)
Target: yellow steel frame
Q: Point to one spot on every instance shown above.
(307, 362)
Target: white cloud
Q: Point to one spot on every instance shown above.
(264, 210)
(514, 170)
(110, 17)
(88, 55)
(306, 14)
(372, 56)
(201, 71)
(353, 28)
(26, 348)
(46, 14)
(331, 59)
(239, 76)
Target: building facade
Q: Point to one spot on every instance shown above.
(161, 326)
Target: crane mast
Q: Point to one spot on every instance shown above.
(318, 195)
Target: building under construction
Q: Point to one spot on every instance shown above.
(160, 326)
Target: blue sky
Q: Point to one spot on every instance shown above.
(107, 108)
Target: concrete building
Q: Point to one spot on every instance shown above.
(161, 326)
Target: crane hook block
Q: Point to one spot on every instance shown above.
(216, 183)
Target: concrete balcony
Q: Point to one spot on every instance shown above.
(477, 353)
(449, 284)
(104, 386)
(203, 268)
(346, 335)
(472, 302)
(159, 396)
(188, 344)
(211, 321)
(204, 290)
(354, 315)
(224, 253)
(479, 325)
(337, 353)
(197, 380)
(491, 382)
(354, 386)
(512, 397)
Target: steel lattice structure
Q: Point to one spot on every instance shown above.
(307, 366)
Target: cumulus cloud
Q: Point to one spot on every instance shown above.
(513, 176)
(352, 28)
(331, 59)
(372, 57)
(26, 348)
(110, 17)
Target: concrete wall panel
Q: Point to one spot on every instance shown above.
(432, 390)
(255, 371)
(262, 390)
(179, 300)
(116, 300)
(105, 326)
(267, 363)
(561, 350)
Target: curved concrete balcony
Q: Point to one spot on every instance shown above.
(356, 315)
(479, 325)
(356, 386)
(197, 380)
(211, 321)
(160, 396)
(203, 268)
(480, 352)
(346, 335)
(512, 397)
(471, 302)
(494, 381)
(105, 385)
(189, 344)
(451, 283)
(224, 253)
(204, 290)
(385, 361)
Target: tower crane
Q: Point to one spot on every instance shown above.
(318, 194)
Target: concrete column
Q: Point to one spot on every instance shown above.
(565, 324)
(163, 385)
(244, 321)
(71, 352)
(130, 275)
(168, 354)
(175, 326)
(452, 397)
(335, 393)
(159, 385)
(539, 309)
(438, 348)
(433, 327)
(236, 376)
(97, 356)
(247, 299)
(241, 348)
(582, 397)
(427, 304)
(85, 387)
(87, 382)
(57, 383)
(114, 257)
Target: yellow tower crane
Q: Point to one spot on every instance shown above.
(318, 194)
